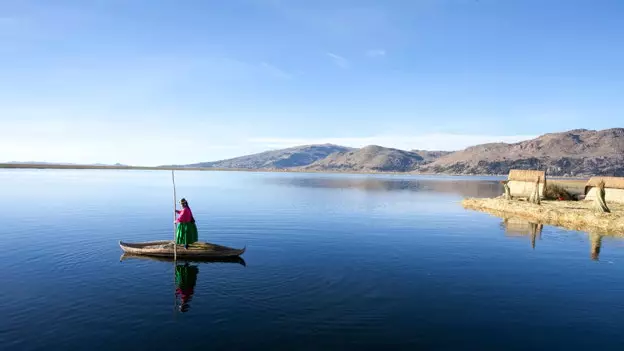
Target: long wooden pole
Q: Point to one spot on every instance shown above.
(175, 250)
(175, 245)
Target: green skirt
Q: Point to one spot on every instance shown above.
(186, 233)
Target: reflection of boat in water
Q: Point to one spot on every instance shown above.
(521, 227)
(232, 259)
(186, 271)
(165, 248)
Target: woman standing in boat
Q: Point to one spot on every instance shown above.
(186, 233)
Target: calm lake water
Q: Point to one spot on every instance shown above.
(332, 262)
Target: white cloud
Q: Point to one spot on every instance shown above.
(338, 60)
(435, 141)
(276, 72)
(376, 53)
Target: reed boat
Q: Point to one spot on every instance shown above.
(164, 248)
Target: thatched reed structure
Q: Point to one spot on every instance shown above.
(613, 186)
(522, 184)
(600, 203)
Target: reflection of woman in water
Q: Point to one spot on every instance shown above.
(186, 278)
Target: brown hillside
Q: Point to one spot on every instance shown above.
(576, 152)
(369, 158)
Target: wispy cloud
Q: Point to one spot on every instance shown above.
(376, 53)
(275, 71)
(433, 141)
(338, 60)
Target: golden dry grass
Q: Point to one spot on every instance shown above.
(575, 215)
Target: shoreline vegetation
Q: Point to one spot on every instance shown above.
(574, 215)
(257, 170)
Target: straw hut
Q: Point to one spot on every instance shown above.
(614, 189)
(522, 183)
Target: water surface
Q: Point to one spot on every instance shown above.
(332, 262)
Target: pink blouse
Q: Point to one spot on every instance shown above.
(185, 215)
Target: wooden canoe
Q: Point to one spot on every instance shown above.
(164, 248)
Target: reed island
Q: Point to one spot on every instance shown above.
(597, 207)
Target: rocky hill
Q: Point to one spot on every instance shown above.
(574, 153)
(278, 159)
(371, 158)
(578, 152)
(430, 156)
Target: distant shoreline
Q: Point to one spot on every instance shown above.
(170, 168)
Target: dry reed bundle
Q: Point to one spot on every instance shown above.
(507, 194)
(535, 197)
(600, 204)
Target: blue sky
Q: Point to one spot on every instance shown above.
(150, 82)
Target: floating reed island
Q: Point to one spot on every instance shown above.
(528, 195)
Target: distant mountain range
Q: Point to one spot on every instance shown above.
(578, 152)
(64, 164)
(279, 159)
(369, 158)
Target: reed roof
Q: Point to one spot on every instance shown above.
(610, 183)
(527, 175)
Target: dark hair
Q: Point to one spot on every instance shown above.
(185, 204)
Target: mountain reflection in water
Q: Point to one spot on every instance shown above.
(464, 188)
